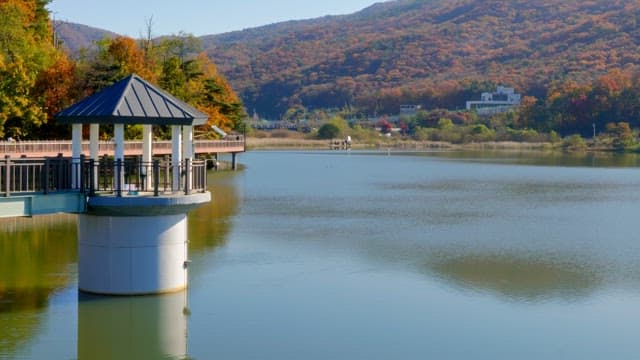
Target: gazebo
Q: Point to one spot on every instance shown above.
(134, 101)
(133, 245)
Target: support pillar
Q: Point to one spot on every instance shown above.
(176, 156)
(119, 155)
(135, 245)
(132, 255)
(147, 156)
(188, 153)
(94, 150)
(234, 162)
(76, 151)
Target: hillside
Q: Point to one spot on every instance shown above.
(77, 36)
(427, 52)
(437, 53)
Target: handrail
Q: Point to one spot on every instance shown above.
(53, 147)
(128, 177)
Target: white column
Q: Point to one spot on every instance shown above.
(94, 150)
(76, 151)
(176, 155)
(187, 142)
(147, 155)
(118, 135)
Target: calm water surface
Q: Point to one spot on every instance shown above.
(361, 256)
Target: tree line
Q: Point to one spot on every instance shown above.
(606, 112)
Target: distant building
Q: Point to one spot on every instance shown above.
(497, 102)
(409, 109)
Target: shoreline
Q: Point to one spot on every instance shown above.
(308, 144)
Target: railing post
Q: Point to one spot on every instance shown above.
(7, 175)
(118, 178)
(47, 169)
(83, 181)
(156, 177)
(92, 175)
(187, 176)
(167, 175)
(60, 172)
(105, 169)
(206, 175)
(23, 174)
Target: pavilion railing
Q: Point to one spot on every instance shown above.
(120, 178)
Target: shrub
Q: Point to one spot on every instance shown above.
(328, 131)
(574, 142)
(482, 133)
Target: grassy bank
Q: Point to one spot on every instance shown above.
(396, 144)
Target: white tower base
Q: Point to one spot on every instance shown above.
(132, 255)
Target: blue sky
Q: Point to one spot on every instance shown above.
(198, 17)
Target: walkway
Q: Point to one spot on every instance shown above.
(41, 149)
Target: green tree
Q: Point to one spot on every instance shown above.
(328, 131)
(25, 51)
(20, 115)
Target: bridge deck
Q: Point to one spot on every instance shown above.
(40, 149)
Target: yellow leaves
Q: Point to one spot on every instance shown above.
(56, 85)
(130, 57)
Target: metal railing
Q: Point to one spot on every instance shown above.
(129, 177)
(55, 147)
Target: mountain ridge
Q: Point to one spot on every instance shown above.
(428, 52)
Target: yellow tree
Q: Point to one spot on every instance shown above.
(215, 97)
(25, 50)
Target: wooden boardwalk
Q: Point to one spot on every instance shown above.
(41, 149)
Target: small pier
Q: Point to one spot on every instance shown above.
(337, 144)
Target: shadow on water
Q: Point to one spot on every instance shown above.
(35, 259)
(141, 327)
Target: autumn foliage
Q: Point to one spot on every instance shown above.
(37, 80)
(432, 53)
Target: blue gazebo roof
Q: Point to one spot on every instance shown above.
(132, 101)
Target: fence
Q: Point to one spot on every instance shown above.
(52, 148)
(131, 177)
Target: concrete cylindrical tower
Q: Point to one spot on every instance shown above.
(135, 245)
(132, 255)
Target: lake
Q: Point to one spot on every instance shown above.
(361, 255)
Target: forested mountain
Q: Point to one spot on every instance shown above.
(431, 52)
(76, 36)
(437, 53)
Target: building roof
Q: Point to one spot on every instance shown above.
(132, 100)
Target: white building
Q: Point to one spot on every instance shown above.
(497, 102)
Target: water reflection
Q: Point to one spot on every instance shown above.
(518, 278)
(523, 233)
(546, 158)
(35, 259)
(210, 224)
(146, 327)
